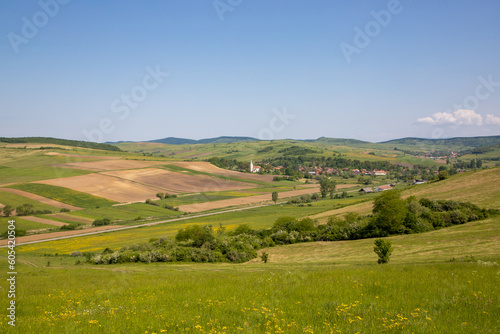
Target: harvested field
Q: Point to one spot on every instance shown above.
(174, 182)
(105, 186)
(44, 221)
(111, 164)
(95, 157)
(243, 200)
(251, 199)
(197, 155)
(36, 237)
(41, 199)
(206, 167)
(67, 216)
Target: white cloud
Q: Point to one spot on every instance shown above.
(492, 119)
(459, 117)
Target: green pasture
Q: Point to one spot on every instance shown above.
(64, 195)
(22, 224)
(128, 212)
(342, 289)
(15, 200)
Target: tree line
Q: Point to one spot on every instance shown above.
(391, 215)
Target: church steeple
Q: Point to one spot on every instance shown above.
(251, 166)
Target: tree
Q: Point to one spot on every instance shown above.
(327, 186)
(160, 195)
(7, 210)
(25, 209)
(443, 175)
(383, 248)
(264, 257)
(389, 212)
(275, 197)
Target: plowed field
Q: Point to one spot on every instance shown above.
(206, 167)
(173, 182)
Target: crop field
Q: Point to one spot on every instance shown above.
(111, 164)
(173, 182)
(64, 195)
(22, 224)
(206, 167)
(40, 199)
(15, 200)
(106, 187)
(134, 211)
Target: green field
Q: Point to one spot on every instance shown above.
(339, 290)
(64, 195)
(15, 200)
(128, 212)
(23, 224)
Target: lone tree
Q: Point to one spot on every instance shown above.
(275, 197)
(160, 195)
(264, 257)
(327, 186)
(7, 210)
(383, 248)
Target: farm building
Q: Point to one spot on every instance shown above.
(383, 188)
(365, 190)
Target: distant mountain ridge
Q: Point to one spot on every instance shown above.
(217, 140)
(457, 141)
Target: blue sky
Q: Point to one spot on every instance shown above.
(370, 70)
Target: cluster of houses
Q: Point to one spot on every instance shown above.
(324, 171)
(377, 189)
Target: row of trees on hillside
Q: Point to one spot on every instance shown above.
(391, 215)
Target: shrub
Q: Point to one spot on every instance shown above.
(68, 227)
(264, 257)
(101, 222)
(75, 254)
(7, 210)
(25, 210)
(383, 248)
(64, 210)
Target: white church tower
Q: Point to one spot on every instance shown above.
(251, 166)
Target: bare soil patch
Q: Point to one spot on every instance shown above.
(111, 164)
(36, 237)
(105, 186)
(174, 182)
(42, 199)
(206, 167)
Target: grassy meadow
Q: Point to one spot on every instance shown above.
(433, 284)
(444, 281)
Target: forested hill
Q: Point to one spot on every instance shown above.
(218, 140)
(457, 142)
(57, 141)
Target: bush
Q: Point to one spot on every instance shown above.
(68, 227)
(25, 210)
(101, 222)
(75, 254)
(383, 248)
(64, 210)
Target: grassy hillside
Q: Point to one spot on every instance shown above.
(57, 141)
